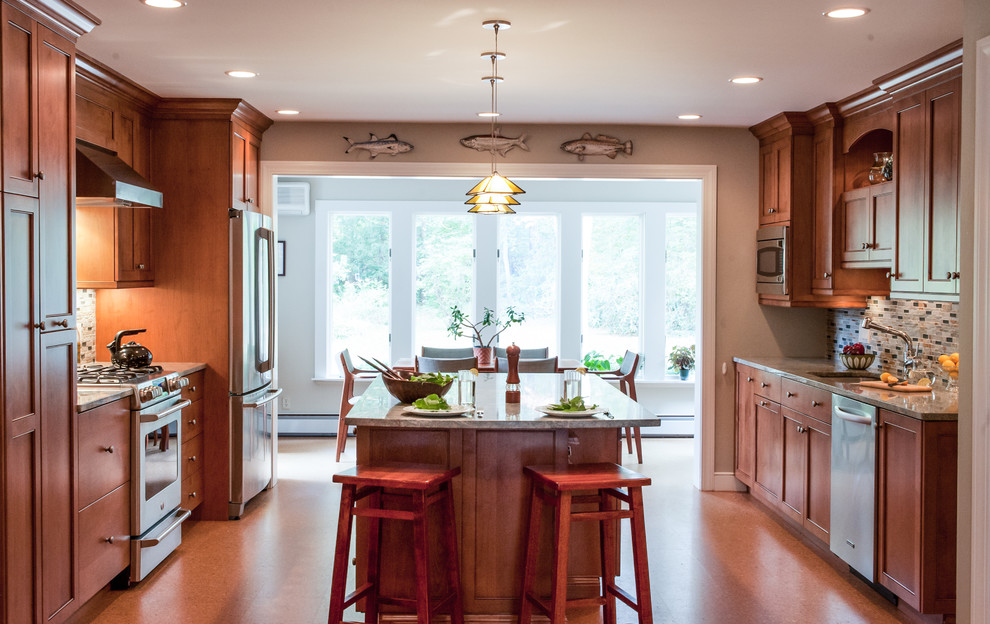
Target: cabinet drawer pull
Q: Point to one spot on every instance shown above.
(887, 274)
(789, 394)
(192, 494)
(62, 323)
(192, 388)
(815, 403)
(749, 379)
(763, 403)
(763, 384)
(109, 540)
(826, 275)
(192, 422)
(249, 200)
(140, 267)
(40, 325)
(192, 458)
(40, 175)
(771, 210)
(108, 449)
(955, 275)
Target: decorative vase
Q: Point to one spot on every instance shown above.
(484, 355)
(684, 373)
(883, 168)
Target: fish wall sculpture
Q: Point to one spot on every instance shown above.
(600, 145)
(389, 145)
(495, 143)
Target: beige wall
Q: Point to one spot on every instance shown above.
(742, 326)
(976, 26)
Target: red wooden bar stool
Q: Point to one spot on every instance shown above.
(424, 485)
(557, 487)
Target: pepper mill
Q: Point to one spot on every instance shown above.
(512, 379)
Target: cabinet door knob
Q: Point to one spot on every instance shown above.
(40, 325)
(108, 449)
(771, 210)
(826, 275)
(955, 275)
(887, 274)
(192, 494)
(749, 379)
(814, 403)
(62, 323)
(192, 458)
(140, 267)
(948, 275)
(40, 175)
(763, 384)
(192, 422)
(789, 394)
(763, 403)
(109, 540)
(249, 200)
(800, 429)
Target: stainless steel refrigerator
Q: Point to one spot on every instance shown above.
(253, 419)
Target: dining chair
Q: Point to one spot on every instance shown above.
(444, 365)
(447, 352)
(529, 354)
(528, 365)
(626, 376)
(351, 373)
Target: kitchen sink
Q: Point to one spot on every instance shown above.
(846, 374)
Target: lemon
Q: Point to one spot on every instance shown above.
(474, 371)
(949, 365)
(924, 382)
(942, 358)
(581, 370)
(888, 378)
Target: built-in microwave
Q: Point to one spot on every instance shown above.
(771, 260)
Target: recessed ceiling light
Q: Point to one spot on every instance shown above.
(846, 13)
(241, 73)
(746, 80)
(287, 111)
(164, 4)
(689, 116)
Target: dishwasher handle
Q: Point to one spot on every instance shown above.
(852, 416)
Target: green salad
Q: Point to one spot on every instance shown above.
(571, 405)
(434, 378)
(431, 402)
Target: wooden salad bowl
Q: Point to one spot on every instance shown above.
(408, 391)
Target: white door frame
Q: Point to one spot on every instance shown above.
(980, 562)
(704, 441)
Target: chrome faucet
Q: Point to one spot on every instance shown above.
(911, 353)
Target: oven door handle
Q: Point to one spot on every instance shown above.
(181, 515)
(150, 418)
(271, 396)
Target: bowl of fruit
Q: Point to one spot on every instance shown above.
(950, 364)
(855, 357)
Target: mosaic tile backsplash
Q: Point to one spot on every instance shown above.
(933, 324)
(86, 324)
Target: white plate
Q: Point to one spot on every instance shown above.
(552, 412)
(453, 410)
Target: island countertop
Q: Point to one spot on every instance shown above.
(377, 408)
(939, 404)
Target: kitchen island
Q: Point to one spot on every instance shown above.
(491, 494)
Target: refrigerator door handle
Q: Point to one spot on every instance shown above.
(271, 396)
(269, 363)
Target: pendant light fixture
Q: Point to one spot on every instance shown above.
(494, 194)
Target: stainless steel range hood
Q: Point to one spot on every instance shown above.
(103, 179)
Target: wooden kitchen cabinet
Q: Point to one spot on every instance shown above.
(246, 174)
(104, 510)
(916, 510)
(40, 549)
(745, 462)
(926, 165)
(868, 226)
(193, 442)
(807, 461)
(785, 166)
(115, 247)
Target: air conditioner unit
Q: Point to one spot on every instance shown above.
(292, 198)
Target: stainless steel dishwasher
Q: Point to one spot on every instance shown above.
(852, 517)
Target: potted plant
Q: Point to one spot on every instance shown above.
(682, 360)
(461, 325)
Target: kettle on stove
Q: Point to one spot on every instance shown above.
(131, 354)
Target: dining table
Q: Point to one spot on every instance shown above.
(491, 443)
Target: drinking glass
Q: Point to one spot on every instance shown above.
(572, 384)
(465, 387)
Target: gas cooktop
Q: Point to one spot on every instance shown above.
(103, 373)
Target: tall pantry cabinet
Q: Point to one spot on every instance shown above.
(38, 549)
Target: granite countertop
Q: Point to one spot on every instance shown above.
(377, 408)
(91, 398)
(939, 404)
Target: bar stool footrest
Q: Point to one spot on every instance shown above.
(622, 595)
(358, 594)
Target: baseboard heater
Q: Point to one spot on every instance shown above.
(307, 425)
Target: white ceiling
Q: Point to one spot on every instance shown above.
(573, 61)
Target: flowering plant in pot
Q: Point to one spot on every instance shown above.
(681, 359)
(461, 325)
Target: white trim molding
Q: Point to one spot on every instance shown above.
(704, 474)
(980, 551)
